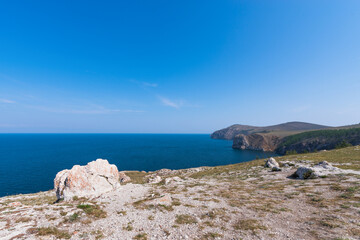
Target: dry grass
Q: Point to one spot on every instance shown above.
(211, 235)
(349, 156)
(29, 200)
(93, 210)
(46, 231)
(23, 219)
(185, 219)
(137, 177)
(98, 234)
(248, 224)
(141, 236)
(128, 227)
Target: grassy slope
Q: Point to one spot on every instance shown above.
(327, 134)
(350, 156)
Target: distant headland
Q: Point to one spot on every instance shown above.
(290, 137)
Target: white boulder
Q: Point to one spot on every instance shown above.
(173, 179)
(306, 173)
(319, 170)
(271, 162)
(92, 180)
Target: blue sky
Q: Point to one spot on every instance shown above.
(177, 66)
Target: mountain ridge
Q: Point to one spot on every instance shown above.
(230, 132)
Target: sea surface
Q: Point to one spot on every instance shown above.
(29, 162)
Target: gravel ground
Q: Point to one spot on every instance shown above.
(251, 203)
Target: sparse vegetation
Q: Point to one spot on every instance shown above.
(98, 234)
(248, 224)
(218, 196)
(73, 217)
(211, 235)
(60, 234)
(23, 219)
(128, 227)
(140, 236)
(137, 177)
(185, 219)
(93, 210)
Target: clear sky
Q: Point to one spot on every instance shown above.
(177, 66)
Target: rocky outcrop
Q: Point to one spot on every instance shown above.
(256, 141)
(92, 180)
(273, 164)
(124, 178)
(321, 169)
(154, 179)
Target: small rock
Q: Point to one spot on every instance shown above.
(325, 165)
(276, 169)
(124, 178)
(164, 200)
(14, 204)
(155, 179)
(172, 179)
(271, 162)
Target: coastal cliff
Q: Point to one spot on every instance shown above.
(291, 137)
(256, 141)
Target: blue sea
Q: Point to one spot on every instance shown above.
(29, 162)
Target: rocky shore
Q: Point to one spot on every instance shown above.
(306, 196)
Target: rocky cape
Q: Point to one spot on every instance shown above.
(291, 137)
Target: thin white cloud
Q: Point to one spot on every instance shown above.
(170, 103)
(145, 84)
(2, 100)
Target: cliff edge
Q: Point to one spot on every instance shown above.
(256, 141)
(291, 137)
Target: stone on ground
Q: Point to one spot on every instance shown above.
(319, 170)
(154, 179)
(92, 180)
(271, 162)
(124, 178)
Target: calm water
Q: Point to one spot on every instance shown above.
(29, 162)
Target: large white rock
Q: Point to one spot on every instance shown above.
(92, 180)
(321, 169)
(306, 173)
(271, 162)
